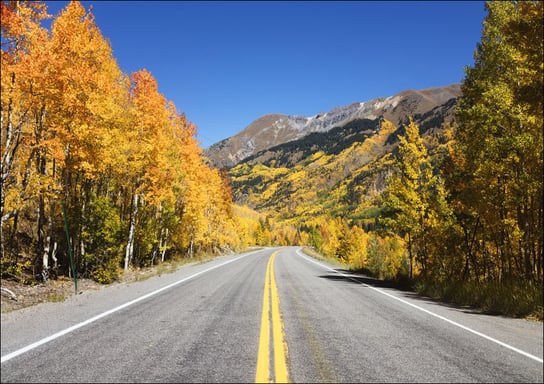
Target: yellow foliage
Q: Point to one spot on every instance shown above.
(386, 257)
(83, 131)
(353, 247)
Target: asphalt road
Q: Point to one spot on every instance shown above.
(217, 321)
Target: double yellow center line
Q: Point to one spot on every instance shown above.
(271, 321)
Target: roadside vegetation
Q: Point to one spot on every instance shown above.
(494, 298)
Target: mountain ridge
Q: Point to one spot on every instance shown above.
(271, 130)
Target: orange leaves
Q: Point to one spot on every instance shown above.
(23, 41)
(74, 125)
(88, 104)
(149, 107)
(173, 171)
(150, 136)
(20, 19)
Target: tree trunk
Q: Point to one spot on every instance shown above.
(47, 247)
(10, 142)
(163, 247)
(41, 242)
(54, 256)
(410, 256)
(130, 243)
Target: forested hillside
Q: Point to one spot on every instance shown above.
(340, 169)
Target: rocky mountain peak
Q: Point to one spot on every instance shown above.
(274, 129)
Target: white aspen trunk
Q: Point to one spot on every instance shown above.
(9, 149)
(47, 247)
(81, 242)
(154, 254)
(164, 245)
(82, 249)
(54, 255)
(45, 256)
(130, 243)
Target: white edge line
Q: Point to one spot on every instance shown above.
(526, 354)
(54, 336)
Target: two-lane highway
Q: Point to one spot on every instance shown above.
(274, 314)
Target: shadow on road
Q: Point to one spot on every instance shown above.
(353, 277)
(403, 291)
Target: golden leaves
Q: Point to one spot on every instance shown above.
(91, 132)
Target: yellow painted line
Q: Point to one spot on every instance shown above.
(271, 310)
(263, 361)
(280, 348)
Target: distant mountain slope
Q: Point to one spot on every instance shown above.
(336, 173)
(272, 130)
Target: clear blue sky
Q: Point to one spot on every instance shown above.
(224, 64)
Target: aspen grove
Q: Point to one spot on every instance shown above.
(78, 131)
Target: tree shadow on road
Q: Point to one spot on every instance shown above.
(358, 278)
(403, 290)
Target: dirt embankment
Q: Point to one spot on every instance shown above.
(52, 290)
(16, 295)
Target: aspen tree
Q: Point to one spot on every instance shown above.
(415, 200)
(86, 109)
(24, 142)
(499, 144)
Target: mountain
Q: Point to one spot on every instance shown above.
(273, 130)
(339, 172)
